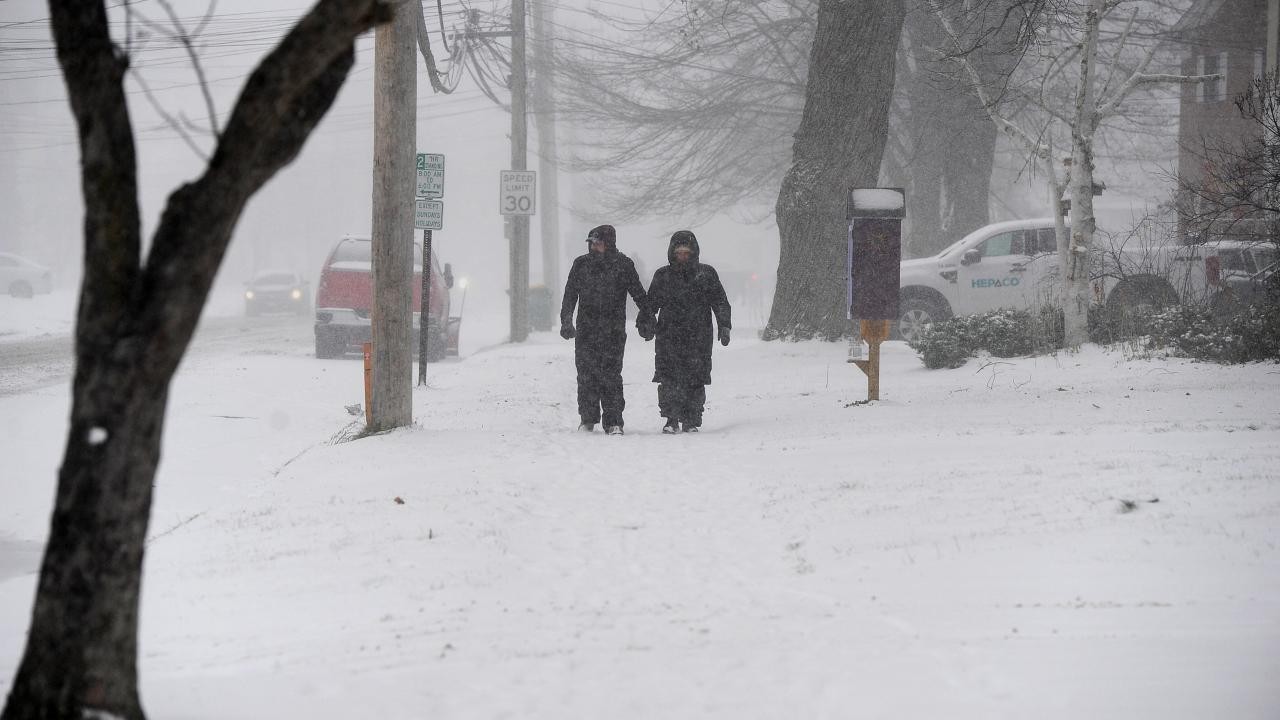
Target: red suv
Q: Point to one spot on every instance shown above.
(344, 299)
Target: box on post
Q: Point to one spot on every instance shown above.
(875, 252)
(875, 257)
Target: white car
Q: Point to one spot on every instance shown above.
(1015, 264)
(22, 278)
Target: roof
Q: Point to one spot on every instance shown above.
(1200, 14)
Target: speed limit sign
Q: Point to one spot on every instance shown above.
(516, 192)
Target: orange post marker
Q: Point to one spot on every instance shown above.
(368, 383)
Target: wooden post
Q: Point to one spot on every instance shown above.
(368, 384)
(519, 161)
(874, 332)
(394, 179)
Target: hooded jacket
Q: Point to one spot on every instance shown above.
(598, 285)
(685, 297)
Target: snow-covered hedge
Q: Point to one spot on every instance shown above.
(1003, 333)
(1252, 333)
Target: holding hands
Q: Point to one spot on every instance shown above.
(645, 326)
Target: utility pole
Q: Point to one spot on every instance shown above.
(395, 93)
(519, 154)
(1273, 36)
(544, 113)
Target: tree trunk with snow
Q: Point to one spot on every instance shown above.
(839, 145)
(134, 323)
(1076, 258)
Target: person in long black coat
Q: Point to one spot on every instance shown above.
(598, 285)
(684, 296)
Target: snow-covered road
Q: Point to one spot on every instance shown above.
(1084, 535)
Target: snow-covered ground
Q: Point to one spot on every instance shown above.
(38, 316)
(1079, 536)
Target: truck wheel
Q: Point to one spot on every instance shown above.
(1133, 301)
(914, 315)
(21, 289)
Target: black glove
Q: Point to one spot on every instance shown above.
(645, 328)
(567, 332)
(724, 336)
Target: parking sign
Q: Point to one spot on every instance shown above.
(430, 175)
(428, 215)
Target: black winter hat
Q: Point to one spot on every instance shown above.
(605, 233)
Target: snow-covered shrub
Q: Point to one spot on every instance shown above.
(1003, 333)
(1252, 333)
(944, 344)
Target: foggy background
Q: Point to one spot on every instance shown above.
(326, 193)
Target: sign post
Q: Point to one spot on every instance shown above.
(875, 257)
(517, 194)
(428, 215)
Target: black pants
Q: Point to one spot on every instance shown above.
(599, 364)
(682, 402)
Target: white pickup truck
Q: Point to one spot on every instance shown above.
(1015, 264)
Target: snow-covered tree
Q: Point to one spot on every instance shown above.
(136, 316)
(839, 145)
(1087, 61)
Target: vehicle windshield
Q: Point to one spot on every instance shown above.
(275, 279)
(361, 251)
(952, 247)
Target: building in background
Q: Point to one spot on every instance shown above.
(1235, 40)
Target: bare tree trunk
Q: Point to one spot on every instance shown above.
(966, 170)
(944, 143)
(394, 147)
(544, 115)
(1076, 275)
(839, 145)
(134, 324)
(915, 123)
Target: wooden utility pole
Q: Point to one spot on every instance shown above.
(519, 153)
(395, 93)
(544, 113)
(1273, 35)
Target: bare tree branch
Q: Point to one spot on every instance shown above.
(169, 119)
(186, 39)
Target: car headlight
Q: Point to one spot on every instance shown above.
(296, 294)
(248, 294)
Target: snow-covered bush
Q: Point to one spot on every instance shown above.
(1252, 333)
(1002, 333)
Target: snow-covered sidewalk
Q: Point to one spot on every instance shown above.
(1062, 537)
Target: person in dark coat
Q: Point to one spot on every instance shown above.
(684, 296)
(598, 285)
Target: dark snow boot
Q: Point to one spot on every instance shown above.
(587, 427)
(672, 427)
(689, 427)
(613, 430)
